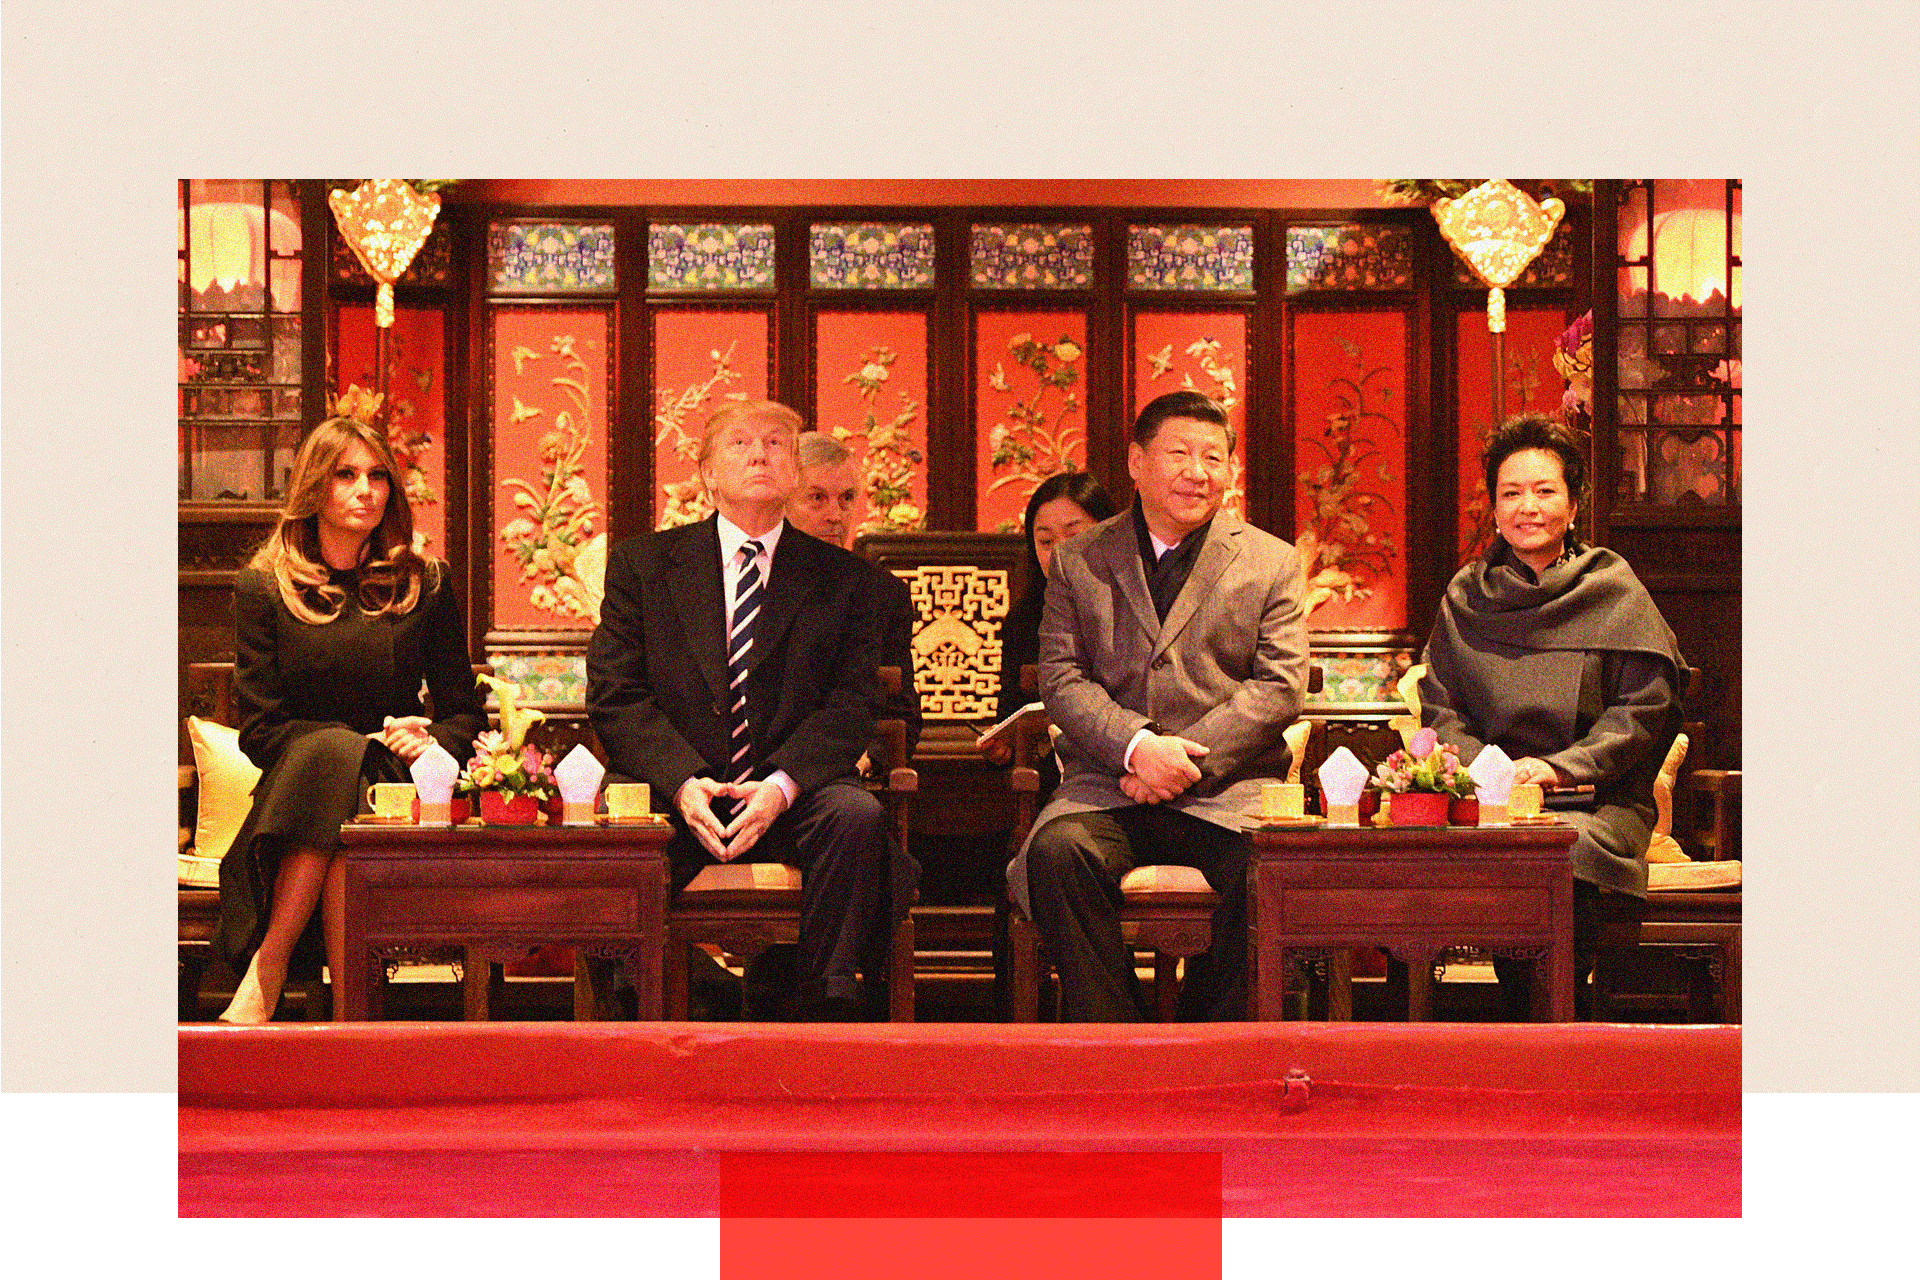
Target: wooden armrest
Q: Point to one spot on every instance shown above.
(1024, 778)
(891, 737)
(188, 777)
(904, 780)
(889, 680)
(186, 839)
(1715, 782)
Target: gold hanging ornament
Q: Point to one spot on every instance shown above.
(1498, 230)
(384, 221)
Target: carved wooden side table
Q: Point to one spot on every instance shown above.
(1315, 892)
(498, 891)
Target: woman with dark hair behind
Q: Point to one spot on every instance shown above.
(337, 621)
(1556, 652)
(1064, 506)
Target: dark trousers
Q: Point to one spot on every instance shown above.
(1074, 867)
(837, 836)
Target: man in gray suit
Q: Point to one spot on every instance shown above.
(1173, 653)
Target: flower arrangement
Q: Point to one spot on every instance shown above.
(502, 760)
(1426, 764)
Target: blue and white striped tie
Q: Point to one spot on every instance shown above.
(746, 608)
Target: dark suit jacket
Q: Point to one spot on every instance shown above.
(893, 609)
(656, 668)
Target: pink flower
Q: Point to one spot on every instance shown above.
(1423, 743)
(530, 758)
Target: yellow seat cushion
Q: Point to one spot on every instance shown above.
(734, 877)
(226, 780)
(1164, 879)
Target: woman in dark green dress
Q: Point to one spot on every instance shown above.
(337, 621)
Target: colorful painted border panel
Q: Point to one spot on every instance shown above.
(870, 392)
(1030, 417)
(1532, 384)
(1354, 256)
(1190, 257)
(710, 255)
(870, 255)
(1353, 677)
(549, 467)
(1032, 255)
(547, 678)
(1350, 464)
(700, 358)
(417, 409)
(550, 257)
(1197, 351)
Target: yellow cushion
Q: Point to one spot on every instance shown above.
(1164, 879)
(227, 780)
(737, 877)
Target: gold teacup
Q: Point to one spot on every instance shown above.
(1524, 800)
(628, 799)
(1283, 800)
(391, 799)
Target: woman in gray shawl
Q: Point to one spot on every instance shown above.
(1556, 652)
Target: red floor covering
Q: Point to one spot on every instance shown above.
(558, 1119)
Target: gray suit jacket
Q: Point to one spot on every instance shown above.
(1228, 668)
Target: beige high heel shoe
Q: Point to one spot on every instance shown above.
(252, 1002)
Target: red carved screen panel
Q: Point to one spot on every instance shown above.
(1197, 351)
(416, 401)
(549, 419)
(870, 393)
(1532, 384)
(700, 359)
(1030, 416)
(1350, 465)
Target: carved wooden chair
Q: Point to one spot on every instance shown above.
(743, 908)
(1165, 910)
(210, 696)
(1690, 921)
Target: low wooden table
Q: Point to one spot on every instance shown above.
(498, 891)
(1315, 892)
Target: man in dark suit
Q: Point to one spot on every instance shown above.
(822, 505)
(1173, 653)
(733, 671)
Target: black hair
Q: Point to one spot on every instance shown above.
(1538, 431)
(1077, 487)
(1179, 404)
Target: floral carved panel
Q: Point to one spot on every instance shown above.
(1197, 351)
(700, 360)
(416, 404)
(870, 393)
(1532, 385)
(1030, 417)
(1350, 454)
(549, 420)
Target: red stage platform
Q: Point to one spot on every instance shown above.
(1310, 1119)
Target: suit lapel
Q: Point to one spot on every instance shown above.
(1222, 545)
(1121, 546)
(700, 598)
(795, 564)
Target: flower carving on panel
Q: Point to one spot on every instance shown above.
(553, 538)
(1219, 385)
(687, 500)
(1036, 439)
(887, 469)
(1342, 551)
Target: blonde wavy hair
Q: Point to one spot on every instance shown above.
(391, 571)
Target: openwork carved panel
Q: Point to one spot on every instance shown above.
(956, 641)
